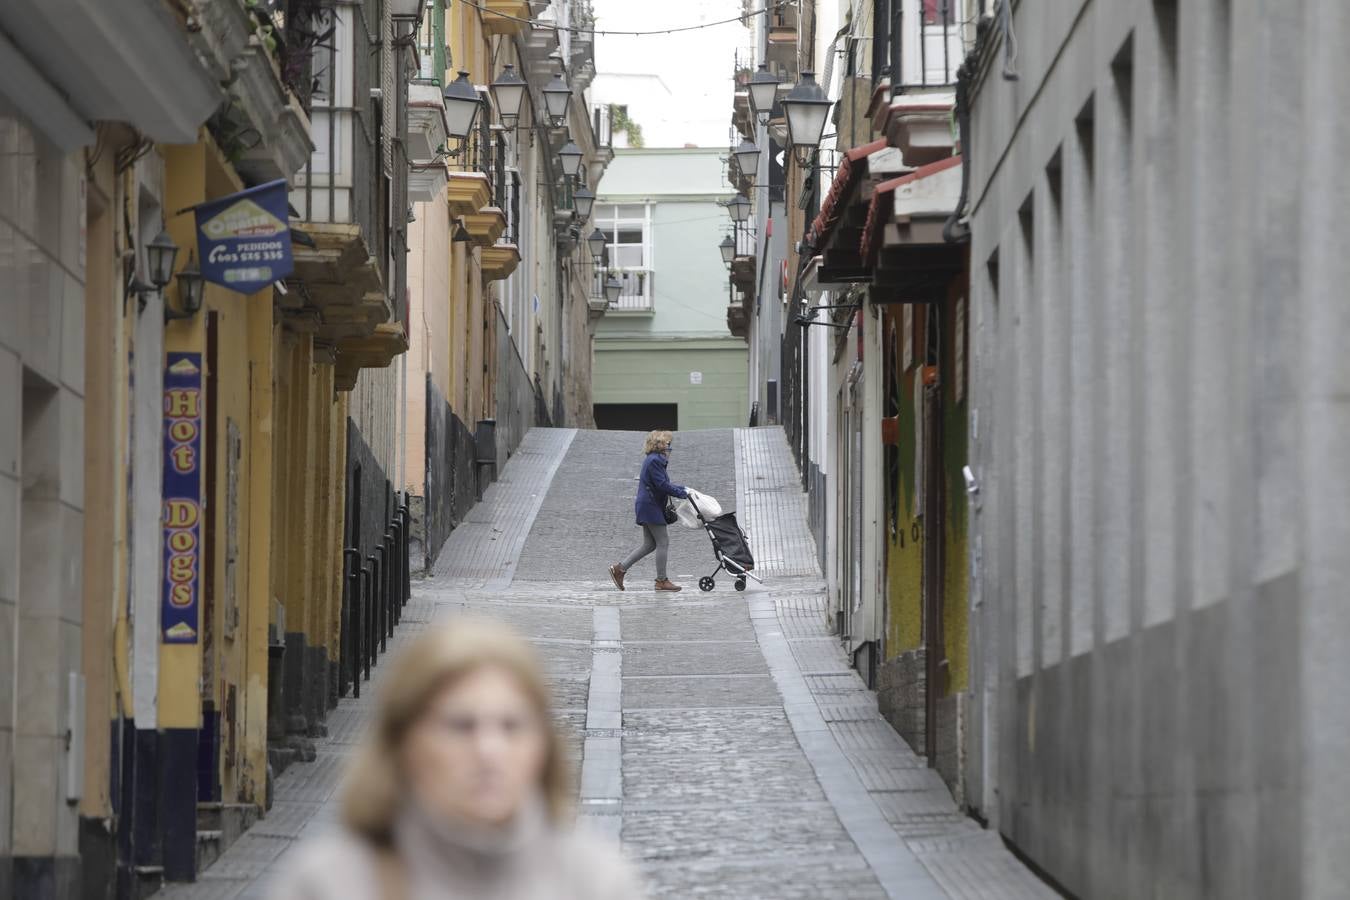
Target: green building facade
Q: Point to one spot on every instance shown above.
(664, 357)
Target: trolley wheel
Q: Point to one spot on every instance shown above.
(740, 584)
(706, 583)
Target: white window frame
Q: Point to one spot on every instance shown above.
(608, 221)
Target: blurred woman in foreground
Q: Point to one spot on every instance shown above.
(460, 791)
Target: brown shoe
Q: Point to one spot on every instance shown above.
(616, 572)
(665, 584)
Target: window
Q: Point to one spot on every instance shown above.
(627, 231)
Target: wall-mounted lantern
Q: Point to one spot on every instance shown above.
(191, 285)
(747, 159)
(597, 243)
(763, 91)
(806, 108)
(508, 95)
(738, 208)
(584, 200)
(728, 248)
(461, 106)
(556, 96)
(160, 255)
(570, 156)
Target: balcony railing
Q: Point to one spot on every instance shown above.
(926, 44)
(636, 295)
(745, 240)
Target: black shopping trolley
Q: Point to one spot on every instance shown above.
(731, 547)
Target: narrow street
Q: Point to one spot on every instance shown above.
(721, 736)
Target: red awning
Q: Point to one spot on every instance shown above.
(882, 203)
(844, 180)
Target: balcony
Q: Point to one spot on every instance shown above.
(336, 292)
(427, 128)
(781, 53)
(738, 320)
(339, 291)
(927, 50)
(499, 261)
(486, 226)
(374, 351)
(467, 193)
(636, 293)
(505, 16)
(426, 181)
(744, 261)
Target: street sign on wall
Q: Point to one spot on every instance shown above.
(182, 497)
(244, 240)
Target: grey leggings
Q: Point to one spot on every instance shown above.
(654, 537)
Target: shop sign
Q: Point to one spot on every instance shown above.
(182, 496)
(244, 240)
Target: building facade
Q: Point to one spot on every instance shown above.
(499, 272)
(664, 355)
(1160, 574)
(205, 532)
(857, 345)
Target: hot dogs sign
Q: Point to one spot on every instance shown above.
(182, 494)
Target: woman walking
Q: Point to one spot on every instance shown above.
(460, 791)
(654, 489)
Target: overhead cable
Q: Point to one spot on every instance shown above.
(538, 23)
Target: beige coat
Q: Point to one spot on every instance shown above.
(531, 861)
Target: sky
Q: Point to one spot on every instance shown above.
(677, 87)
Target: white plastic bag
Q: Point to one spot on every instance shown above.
(709, 506)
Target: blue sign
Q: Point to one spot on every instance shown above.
(244, 240)
(182, 496)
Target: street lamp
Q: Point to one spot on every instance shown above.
(583, 199)
(739, 208)
(556, 95)
(508, 95)
(597, 243)
(763, 90)
(160, 254)
(747, 159)
(190, 287)
(613, 287)
(806, 108)
(570, 155)
(461, 106)
(728, 248)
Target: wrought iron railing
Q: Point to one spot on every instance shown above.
(343, 181)
(635, 294)
(925, 53)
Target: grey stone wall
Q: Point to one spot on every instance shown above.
(901, 696)
(1158, 428)
(41, 504)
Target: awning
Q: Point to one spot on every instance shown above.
(902, 240)
(836, 230)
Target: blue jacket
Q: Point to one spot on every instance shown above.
(654, 486)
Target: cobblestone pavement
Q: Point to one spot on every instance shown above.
(721, 736)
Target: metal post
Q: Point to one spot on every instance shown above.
(377, 634)
(396, 570)
(372, 612)
(351, 575)
(390, 607)
(408, 563)
(363, 656)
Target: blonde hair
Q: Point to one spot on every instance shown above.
(374, 791)
(657, 441)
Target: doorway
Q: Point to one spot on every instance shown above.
(637, 416)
